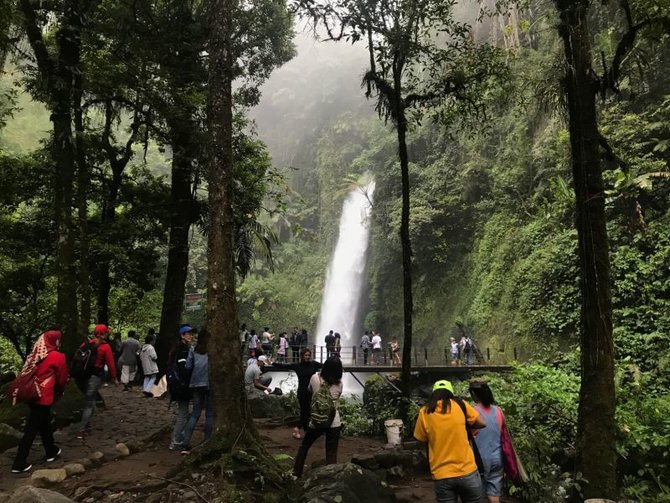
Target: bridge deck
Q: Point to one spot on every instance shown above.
(431, 369)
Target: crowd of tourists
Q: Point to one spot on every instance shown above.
(468, 446)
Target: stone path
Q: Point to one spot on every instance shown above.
(127, 417)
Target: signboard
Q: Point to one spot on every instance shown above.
(193, 301)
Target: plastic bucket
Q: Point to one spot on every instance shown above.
(393, 431)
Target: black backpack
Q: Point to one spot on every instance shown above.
(178, 380)
(467, 348)
(82, 365)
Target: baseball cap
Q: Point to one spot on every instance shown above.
(101, 329)
(184, 329)
(443, 384)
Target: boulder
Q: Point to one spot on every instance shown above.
(30, 494)
(263, 406)
(97, 458)
(74, 469)
(346, 483)
(9, 437)
(48, 477)
(122, 449)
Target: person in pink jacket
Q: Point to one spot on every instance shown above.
(52, 374)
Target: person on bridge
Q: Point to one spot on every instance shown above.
(331, 376)
(376, 343)
(50, 371)
(394, 349)
(365, 346)
(330, 344)
(442, 425)
(304, 369)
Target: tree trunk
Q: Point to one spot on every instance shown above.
(596, 454)
(228, 396)
(181, 217)
(63, 151)
(104, 265)
(82, 214)
(406, 246)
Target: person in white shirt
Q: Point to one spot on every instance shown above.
(376, 347)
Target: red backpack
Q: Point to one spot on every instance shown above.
(26, 388)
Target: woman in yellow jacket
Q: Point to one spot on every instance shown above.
(442, 424)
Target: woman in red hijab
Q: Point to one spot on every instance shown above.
(51, 372)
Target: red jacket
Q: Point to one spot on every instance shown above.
(53, 374)
(105, 355)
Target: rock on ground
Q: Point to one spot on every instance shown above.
(46, 477)
(74, 469)
(30, 494)
(346, 483)
(9, 437)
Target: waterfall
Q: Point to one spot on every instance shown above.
(346, 272)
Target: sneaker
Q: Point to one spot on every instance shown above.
(175, 447)
(54, 457)
(21, 470)
(82, 434)
(186, 451)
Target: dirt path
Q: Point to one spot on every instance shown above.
(130, 418)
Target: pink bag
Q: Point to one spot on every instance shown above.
(511, 462)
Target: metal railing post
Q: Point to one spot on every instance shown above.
(488, 354)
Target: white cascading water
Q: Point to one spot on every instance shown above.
(346, 273)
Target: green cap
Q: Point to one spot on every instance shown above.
(443, 384)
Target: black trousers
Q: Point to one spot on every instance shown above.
(305, 402)
(39, 421)
(332, 441)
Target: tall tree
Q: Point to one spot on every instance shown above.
(421, 59)
(596, 428)
(58, 69)
(245, 42)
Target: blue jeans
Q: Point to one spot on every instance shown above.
(179, 423)
(149, 383)
(468, 487)
(201, 401)
(92, 386)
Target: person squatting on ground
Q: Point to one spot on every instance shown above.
(198, 363)
(330, 376)
(489, 440)
(178, 385)
(255, 382)
(52, 375)
(130, 349)
(149, 360)
(442, 424)
(304, 369)
(90, 385)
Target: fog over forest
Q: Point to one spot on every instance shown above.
(321, 82)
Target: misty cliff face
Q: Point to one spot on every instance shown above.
(309, 93)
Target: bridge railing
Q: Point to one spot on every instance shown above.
(427, 356)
